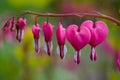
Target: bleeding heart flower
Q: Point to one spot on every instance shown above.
(99, 32)
(36, 34)
(5, 25)
(8, 24)
(61, 36)
(7, 30)
(118, 59)
(48, 32)
(20, 28)
(78, 38)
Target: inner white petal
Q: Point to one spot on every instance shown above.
(58, 50)
(45, 47)
(93, 52)
(65, 50)
(75, 56)
(51, 45)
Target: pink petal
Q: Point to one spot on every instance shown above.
(99, 31)
(48, 31)
(78, 38)
(60, 34)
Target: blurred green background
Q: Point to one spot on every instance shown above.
(18, 61)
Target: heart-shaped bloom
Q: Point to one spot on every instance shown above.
(99, 32)
(10, 24)
(36, 34)
(20, 28)
(61, 36)
(78, 38)
(48, 32)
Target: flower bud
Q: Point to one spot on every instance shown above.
(61, 35)
(48, 32)
(20, 25)
(36, 35)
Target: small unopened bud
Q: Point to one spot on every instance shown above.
(61, 36)
(48, 32)
(36, 35)
(20, 25)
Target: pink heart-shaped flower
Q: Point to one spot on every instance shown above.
(99, 31)
(78, 38)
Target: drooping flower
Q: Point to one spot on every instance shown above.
(61, 36)
(78, 38)
(99, 32)
(8, 33)
(9, 24)
(36, 35)
(48, 32)
(20, 25)
(6, 25)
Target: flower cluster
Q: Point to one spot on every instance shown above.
(88, 32)
(17, 26)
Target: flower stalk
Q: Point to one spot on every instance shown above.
(79, 15)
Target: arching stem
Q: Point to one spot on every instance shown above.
(78, 15)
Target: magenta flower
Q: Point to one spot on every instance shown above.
(61, 36)
(99, 32)
(20, 28)
(7, 24)
(78, 38)
(7, 31)
(48, 32)
(36, 35)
